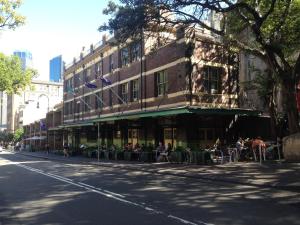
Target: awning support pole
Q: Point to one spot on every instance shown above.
(98, 142)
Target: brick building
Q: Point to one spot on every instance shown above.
(184, 93)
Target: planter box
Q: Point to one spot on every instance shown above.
(119, 155)
(106, 155)
(176, 157)
(146, 157)
(201, 157)
(127, 156)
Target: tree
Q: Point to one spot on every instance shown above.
(13, 78)
(269, 29)
(18, 135)
(9, 18)
(5, 137)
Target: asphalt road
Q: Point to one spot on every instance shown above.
(35, 191)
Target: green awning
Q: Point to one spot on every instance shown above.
(144, 114)
(54, 128)
(224, 111)
(81, 124)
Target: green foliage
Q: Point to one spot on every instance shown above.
(9, 18)
(18, 135)
(13, 78)
(6, 137)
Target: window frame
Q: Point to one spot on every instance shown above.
(135, 90)
(212, 77)
(124, 92)
(125, 58)
(161, 85)
(135, 50)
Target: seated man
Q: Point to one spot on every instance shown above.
(164, 152)
(256, 144)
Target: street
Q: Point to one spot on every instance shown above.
(40, 191)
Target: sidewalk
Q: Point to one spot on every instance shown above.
(282, 176)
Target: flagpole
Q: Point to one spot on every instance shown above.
(118, 96)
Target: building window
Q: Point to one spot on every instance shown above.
(67, 109)
(84, 75)
(212, 79)
(98, 103)
(135, 51)
(206, 134)
(170, 136)
(134, 90)
(125, 56)
(111, 63)
(110, 98)
(124, 92)
(98, 69)
(78, 106)
(76, 80)
(88, 72)
(133, 136)
(87, 104)
(161, 83)
(71, 108)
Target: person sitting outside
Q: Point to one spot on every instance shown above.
(258, 144)
(163, 152)
(240, 148)
(136, 151)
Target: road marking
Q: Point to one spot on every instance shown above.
(113, 193)
(109, 194)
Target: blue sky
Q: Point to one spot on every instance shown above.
(55, 27)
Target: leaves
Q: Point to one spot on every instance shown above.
(13, 78)
(9, 18)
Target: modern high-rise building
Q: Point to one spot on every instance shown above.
(25, 57)
(56, 69)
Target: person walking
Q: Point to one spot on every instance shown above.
(47, 148)
(66, 150)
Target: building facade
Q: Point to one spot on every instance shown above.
(3, 111)
(38, 99)
(56, 69)
(184, 93)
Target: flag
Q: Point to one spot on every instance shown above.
(89, 85)
(105, 81)
(42, 125)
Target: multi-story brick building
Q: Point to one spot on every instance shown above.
(184, 93)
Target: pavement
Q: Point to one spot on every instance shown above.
(271, 174)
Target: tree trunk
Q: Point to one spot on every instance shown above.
(290, 105)
(273, 117)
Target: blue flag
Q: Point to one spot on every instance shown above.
(89, 85)
(42, 125)
(105, 81)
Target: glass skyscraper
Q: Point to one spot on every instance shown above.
(56, 69)
(25, 57)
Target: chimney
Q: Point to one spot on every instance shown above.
(104, 39)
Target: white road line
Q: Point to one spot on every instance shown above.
(113, 193)
(86, 185)
(109, 194)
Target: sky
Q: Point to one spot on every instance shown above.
(55, 27)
